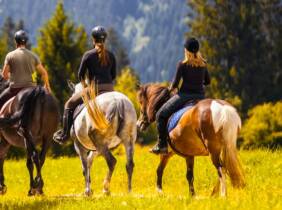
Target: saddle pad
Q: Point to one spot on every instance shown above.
(175, 117)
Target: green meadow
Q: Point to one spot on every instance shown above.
(64, 184)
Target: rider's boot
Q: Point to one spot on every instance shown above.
(161, 146)
(63, 135)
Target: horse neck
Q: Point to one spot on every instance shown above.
(156, 101)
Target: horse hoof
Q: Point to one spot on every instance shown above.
(31, 192)
(3, 190)
(88, 193)
(106, 192)
(192, 195)
(160, 190)
(39, 192)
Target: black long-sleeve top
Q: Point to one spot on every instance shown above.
(194, 79)
(101, 74)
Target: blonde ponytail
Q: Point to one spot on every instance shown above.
(194, 59)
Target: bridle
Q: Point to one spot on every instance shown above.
(143, 121)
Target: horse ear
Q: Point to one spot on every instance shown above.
(138, 85)
(71, 85)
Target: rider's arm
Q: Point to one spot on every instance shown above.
(44, 76)
(82, 69)
(177, 77)
(6, 71)
(207, 78)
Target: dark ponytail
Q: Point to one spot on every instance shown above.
(102, 53)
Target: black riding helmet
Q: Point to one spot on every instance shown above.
(99, 34)
(192, 45)
(21, 37)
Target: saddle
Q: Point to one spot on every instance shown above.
(77, 111)
(176, 116)
(6, 108)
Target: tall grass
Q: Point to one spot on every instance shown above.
(64, 184)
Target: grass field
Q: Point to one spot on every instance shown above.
(64, 184)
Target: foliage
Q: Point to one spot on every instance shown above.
(127, 83)
(60, 46)
(64, 184)
(242, 42)
(7, 32)
(264, 126)
(116, 46)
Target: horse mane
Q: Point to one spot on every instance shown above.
(97, 117)
(154, 95)
(26, 108)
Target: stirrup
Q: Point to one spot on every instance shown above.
(59, 137)
(159, 150)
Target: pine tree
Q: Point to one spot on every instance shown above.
(115, 45)
(8, 31)
(241, 43)
(3, 50)
(60, 46)
(7, 42)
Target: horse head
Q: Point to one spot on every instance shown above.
(75, 88)
(151, 97)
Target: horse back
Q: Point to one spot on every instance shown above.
(190, 134)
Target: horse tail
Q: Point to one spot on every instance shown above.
(226, 120)
(26, 108)
(97, 117)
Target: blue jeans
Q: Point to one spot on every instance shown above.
(172, 105)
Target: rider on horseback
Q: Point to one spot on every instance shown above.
(193, 72)
(18, 69)
(100, 66)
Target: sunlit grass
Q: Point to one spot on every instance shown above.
(64, 184)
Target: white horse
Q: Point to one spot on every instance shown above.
(106, 121)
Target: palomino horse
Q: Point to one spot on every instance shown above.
(106, 121)
(23, 121)
(208, 128)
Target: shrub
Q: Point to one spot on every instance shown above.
(263, 128)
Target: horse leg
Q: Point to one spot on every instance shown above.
(42, 156)
(190, 174)
(85, 166)
(29, 165)
(111, 162)
(220, 187)
(163, 162)
(4, 147)
(33, 158)
(129, 147)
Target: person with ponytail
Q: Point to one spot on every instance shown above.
(98, 65)
(193, 73)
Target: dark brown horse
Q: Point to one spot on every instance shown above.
(210, 127)
(27, 120)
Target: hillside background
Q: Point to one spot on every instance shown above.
(151, 30)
